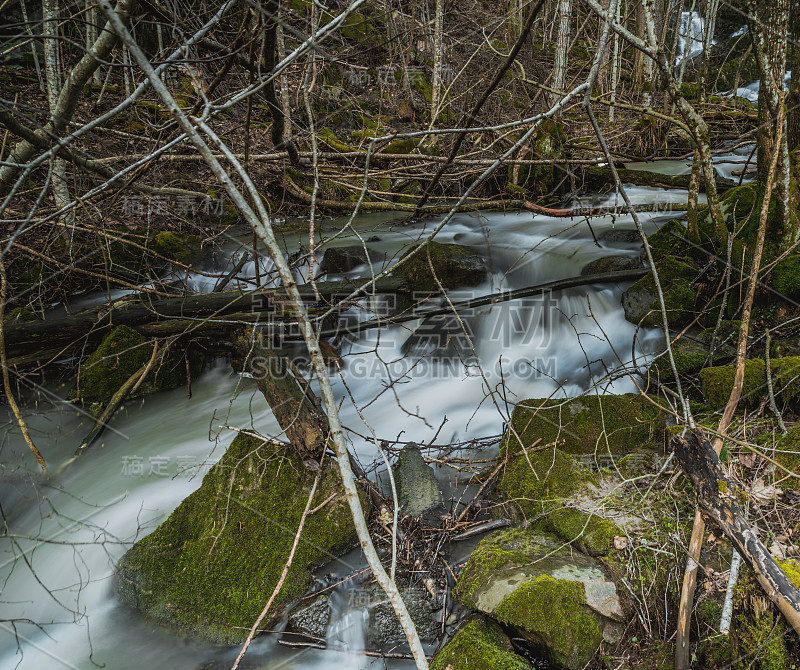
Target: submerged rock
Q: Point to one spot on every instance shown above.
(557, 599)
(616, 263)
(208, 570)
(455, 266)
(345, 259)
(619, 236)
(480, 643)
(311, 619)
(383, 626)
(417, 487)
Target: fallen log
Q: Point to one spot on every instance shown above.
(25, 337)
(597, 178)
(603, 211)
(716, 497)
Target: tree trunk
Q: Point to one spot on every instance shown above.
(562, 47)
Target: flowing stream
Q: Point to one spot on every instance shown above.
(58, 606)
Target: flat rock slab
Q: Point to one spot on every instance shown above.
(417, 487)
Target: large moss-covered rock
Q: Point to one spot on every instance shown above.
(557, 599)
(121, 353)
(179, 247)
(786, 276)
(480, 644)
(455, 266)
(210, 567)
(591, 424)
(689, 355)
(539, 481)
(641, 303)
(717, 381)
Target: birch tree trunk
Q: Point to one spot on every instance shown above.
(52, 69)
(437, 60)
(564, 16)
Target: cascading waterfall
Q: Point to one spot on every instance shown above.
(691, 34)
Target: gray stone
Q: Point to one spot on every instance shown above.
(616, 263)
(311, 619)
(417, 488)
(619, 236)
(383, 626)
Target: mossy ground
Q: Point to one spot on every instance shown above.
(479, 645)
(210, 567)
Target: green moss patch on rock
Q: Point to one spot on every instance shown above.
(689, 356)
(590, 533)
(479, 645)
(121, 353)
(717, 381)
(558, 599)
(210, 567)
(786, 276)
(641, 303)
(532, 484)
(591, 424)
(179, 247)
(454, 264)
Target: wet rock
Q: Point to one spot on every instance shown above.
(641, 303)
(617, 263)
(619, 236)
(559, 600)
(480, 643)
(345, 259)
(311, 619)
(455, 266)
(417, 487)
(210, 567)
(383, 626)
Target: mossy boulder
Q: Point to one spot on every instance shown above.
(546, 143)
(717, 381)
(480, 644)
(210, 567)
(641, 303)
(590, 424)
(180, 247)
(121, 353)
(787, 453)
(455, 266)
(540, 481)
(689, 355)
(344, 259)
(589, 533)
(417, 487)
(786, 277)
(558, 599)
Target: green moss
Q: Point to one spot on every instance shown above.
(791, 568)
(671, 239)
(787, 453)
(480, 643)
(546, 143)
(400, 147)
(329, 137)
(786, 276)
(553, 613)
(179, 247)
(689, 357)
(718, 381)
(455, 266)
(539, 482)
(590, 533)
(677, 277)
(589, 424)
(121, 353)
(760, 642)
(19, 314)
(211, 566)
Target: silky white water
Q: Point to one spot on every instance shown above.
(65, 535)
